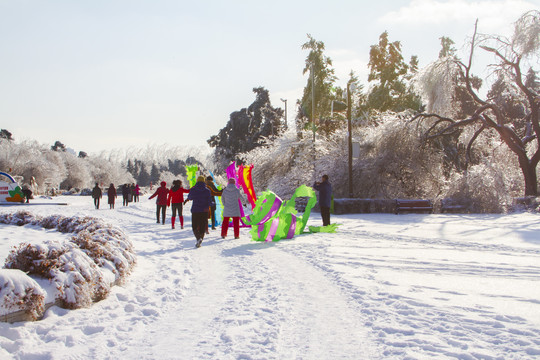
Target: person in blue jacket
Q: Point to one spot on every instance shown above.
(325, 198)
(202, 200)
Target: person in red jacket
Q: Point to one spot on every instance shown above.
(161, 201)
(176, 201)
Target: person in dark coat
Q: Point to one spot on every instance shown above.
(161, 202)
(325, 198)
(126, 191)
(27, 193)
(97, 194)
(202, 200)
(215, 192)
(111, 194)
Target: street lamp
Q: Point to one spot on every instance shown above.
(350, 88)
(286, 124)
(313, 102)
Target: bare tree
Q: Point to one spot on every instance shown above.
(520, 135)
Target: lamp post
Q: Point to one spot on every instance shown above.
(350, 87)
(286, 124)
(313, 102)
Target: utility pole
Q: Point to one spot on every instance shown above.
(350, 87)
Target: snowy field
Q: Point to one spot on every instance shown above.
(383, 287)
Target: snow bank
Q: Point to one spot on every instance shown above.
(81, 270)
(20, 292)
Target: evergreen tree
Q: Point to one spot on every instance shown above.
(192, 161)
(58, 146)
(390, 72)
(136, 168)
(4, 134)
(144, 177)
(247, 128)
(154, 174)
(319, 90)
(177, 167)
(447, 48)
(130, 168)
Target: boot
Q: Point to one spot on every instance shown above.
(172, 222)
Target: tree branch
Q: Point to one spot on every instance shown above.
(469, 145)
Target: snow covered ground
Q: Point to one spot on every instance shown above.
(383, 287)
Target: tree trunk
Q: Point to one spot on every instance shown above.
(530, 177)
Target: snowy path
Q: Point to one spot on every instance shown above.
(245, 300)
(383, 287)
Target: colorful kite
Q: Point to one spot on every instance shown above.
(233, 174)
(244, 179)
(273, 221)
(191, 171)
(219, 205)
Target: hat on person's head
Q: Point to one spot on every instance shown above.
(200, 178)
(163, 183)
(209, 178)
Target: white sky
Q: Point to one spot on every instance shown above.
(106, 74)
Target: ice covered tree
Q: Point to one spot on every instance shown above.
(247, 129)
(78, 174)
(510, 111)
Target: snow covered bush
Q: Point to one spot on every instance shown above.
(482, 188)
(18, 292)
(82, 269)
(109, 248)
(396, 163)
(19, 218)
(76, 278)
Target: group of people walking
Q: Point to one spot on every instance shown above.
(130, 192)
(203, 208)
(202, 194)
